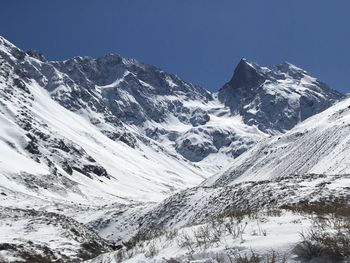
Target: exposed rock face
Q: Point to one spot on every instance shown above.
(121, 88)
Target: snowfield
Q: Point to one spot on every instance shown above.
(213, 242)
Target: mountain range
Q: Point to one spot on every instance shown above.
(105, 148)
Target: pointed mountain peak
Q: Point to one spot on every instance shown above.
(247, 61)
(244, 62)
(246, 75)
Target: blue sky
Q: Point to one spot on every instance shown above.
(201, 41)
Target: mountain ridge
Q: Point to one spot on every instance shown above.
(142, 107)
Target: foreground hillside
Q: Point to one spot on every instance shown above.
(303, 177)
(300, 219)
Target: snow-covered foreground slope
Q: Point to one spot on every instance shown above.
(38, 236)
(201, 204)
(224, 223)
(318, 145)
(216, 241)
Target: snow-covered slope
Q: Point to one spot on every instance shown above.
(48, 150)
(317, 145)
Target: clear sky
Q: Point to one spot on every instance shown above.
(201, 41)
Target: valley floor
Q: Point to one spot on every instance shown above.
(197, 225)
(270, 236)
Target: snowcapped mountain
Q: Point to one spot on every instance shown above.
(110, 118)
(275, 98)
(109, 121)
(48, 150)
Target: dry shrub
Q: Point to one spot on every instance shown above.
(271, 257)
(329, 237)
